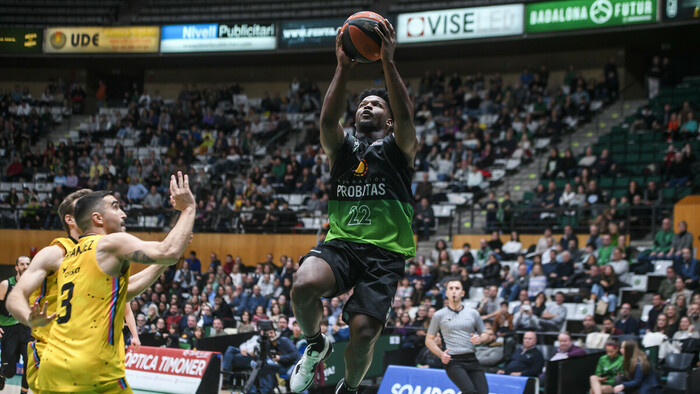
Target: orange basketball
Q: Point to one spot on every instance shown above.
(360, 41)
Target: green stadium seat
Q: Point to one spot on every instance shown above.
(648, 138)
(606, 182)
(618, 193)
(631, 158)
(618, 149)
(560, 183)
(527, 196)
(669, 194)
(683, 193)
(646, 158)
(622, 182)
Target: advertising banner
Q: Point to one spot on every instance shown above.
(460, 24)
(681, 10)
(317, 33)
(587, 14)
(135, 39)
(18, 40)
(168, 370)
(410, 380)
(213, 37)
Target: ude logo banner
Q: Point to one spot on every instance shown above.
(587, 14)
(136, 39)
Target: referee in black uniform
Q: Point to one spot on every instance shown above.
(461, 329)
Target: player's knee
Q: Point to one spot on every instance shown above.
(366, 335)
(305, 287)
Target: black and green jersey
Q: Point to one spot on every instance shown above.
(6, 319)
(370, 200)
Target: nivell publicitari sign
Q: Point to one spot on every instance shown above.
(460, 24)
(218, 37)
(587, 14)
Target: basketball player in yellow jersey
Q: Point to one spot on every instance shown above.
(40, 281)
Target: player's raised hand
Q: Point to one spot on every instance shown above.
(388, 35)
(180, 194)
(445, 358)
(37, 315)
(343, 59)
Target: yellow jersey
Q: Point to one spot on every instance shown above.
(47, 292)
(85, 350)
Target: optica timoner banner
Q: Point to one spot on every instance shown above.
(133, 39)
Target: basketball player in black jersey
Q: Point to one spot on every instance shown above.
(370, 212)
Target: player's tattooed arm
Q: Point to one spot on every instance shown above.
(139, 256)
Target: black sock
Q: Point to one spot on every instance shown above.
(346, 389)
(316, 342)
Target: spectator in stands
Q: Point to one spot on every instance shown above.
(490, 304)
(594, 238)
(694, 316)
(568, 236)
(538, 282)
(528, 362)
(658, 304)
(681, 290)
(603, 165)
(427, 359)
(589, 325)
(424, 219)
(566, 348)
(608, 288)
(552, 166)
(689, 129)
(672, 319)
(609, 327)
(687, 268)
(606, 250)
(663, 240)
(491, 206)
(607, 369)
(681, 305)
(554, 316)
(194, 264)
(678, 172)
(618, 262)
(639, 375)
(490, 352)
(668, 285)
(564, 271)
(467, 258)
(685, 331)
(185, 277)
(474, 180)
(136, 191)
(682, 239)
(627, 324)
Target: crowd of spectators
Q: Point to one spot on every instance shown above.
(186, 304)
(241, 166)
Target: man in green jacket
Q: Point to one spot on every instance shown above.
(606, 250)
(663, 240)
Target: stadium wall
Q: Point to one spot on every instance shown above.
(253, 248)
